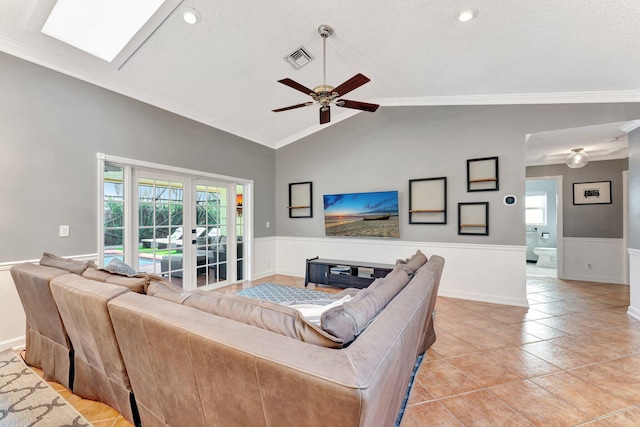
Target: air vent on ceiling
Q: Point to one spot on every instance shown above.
(299, 58)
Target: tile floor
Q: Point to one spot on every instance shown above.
(572, 358)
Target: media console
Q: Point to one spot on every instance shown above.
(344, 274)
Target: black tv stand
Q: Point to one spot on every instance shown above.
(344, 274)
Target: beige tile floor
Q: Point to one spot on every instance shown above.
(572, 358)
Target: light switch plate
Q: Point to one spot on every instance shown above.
(64, 231)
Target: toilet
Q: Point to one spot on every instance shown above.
(547, 257)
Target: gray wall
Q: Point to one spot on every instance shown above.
(600, 221)
(634, 189)
(52, 126)
(383, 150)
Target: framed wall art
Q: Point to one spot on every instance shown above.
(473, 218)
(301, 200)
(428, 201)
(592, 193)
(482, 174)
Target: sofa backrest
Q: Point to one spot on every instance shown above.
(48, 346)
(390, 344)
(100, 369)
(430, 271)
(134, 283)
(282, 381)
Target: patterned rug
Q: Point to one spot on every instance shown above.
(26, 400)
(280, 294)
(416, 366)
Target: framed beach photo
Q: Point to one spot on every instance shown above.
(592, 193)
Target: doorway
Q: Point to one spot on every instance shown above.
(543, 226)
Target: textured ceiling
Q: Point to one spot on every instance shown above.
(223, 71)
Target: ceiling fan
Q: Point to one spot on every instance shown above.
(325, 95)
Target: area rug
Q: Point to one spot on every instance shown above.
(26, 400)
(280, 294)
(416, 366)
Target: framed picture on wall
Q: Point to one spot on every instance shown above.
(592, 193)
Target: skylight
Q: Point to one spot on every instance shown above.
(99, 27)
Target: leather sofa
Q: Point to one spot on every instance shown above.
(168, 356)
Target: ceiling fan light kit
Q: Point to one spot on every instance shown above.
(578, 158)
(324, 95)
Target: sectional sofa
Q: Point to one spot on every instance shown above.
(163, 356)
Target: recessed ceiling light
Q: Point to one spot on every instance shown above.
(190, 15)
(466, 15)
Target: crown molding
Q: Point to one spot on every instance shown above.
(617, 156)
(592, 97)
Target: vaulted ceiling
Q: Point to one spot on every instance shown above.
(223, 71)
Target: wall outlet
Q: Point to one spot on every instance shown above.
(589, 266)
(64, 231)
(268, 224)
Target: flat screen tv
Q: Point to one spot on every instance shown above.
(362, 214)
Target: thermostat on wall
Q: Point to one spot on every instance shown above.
(510, 200)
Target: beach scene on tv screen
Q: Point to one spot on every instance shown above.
(372, 214)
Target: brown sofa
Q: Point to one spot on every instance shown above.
(187, 366)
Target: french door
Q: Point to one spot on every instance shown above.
(183, 229)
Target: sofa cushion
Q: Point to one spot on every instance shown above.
(413, 263)
(262, 314)
(71, 265)
(347, 321)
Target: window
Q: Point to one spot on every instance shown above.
(536, 208)
(113, 216)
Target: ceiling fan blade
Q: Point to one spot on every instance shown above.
(325, 115)
(357, 105)
(351, 84)
(291, 107)
(296, 86)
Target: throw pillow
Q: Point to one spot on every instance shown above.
(347, 321)
(118, 267)
(71, 265)
(413, 263)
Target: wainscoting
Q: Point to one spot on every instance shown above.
(634, 273)
(488, 273)
(605, 256)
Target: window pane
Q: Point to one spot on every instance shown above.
(113, 214)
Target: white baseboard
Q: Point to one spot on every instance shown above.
(16, 343)
(594, 278)
(634, 278)
(472, 296)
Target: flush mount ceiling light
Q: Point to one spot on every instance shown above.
(190, 15)
(578, 158)
(466, 15)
